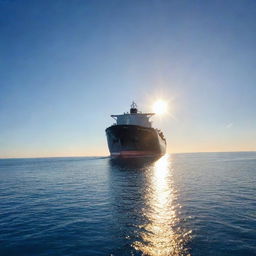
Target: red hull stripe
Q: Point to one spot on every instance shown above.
(134, 153)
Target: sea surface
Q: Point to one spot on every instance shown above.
(182, 204)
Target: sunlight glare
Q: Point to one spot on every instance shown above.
(160, 107)
(159, 235)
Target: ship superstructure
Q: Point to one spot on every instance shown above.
(132, 135)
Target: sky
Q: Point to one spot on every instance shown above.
(66, 66)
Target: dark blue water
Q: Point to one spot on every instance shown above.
(197, 204)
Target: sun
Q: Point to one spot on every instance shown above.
(160, 107)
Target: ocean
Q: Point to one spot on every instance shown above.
(182, 204)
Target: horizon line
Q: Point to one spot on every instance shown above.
(106, 156)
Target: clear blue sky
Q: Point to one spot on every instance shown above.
(65, 66)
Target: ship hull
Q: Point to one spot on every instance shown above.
(134, 141)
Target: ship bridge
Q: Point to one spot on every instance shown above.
(134, 118)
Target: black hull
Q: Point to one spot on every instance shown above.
(135, 141)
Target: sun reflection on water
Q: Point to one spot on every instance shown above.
(162, 234)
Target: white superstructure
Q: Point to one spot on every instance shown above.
(134, 118)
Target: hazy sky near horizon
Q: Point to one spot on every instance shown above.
(66, 66)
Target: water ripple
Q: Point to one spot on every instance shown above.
(183, 204)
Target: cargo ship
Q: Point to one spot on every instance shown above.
(133, 135)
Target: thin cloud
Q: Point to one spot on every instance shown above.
(229, 125)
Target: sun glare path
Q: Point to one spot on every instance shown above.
(159, 235)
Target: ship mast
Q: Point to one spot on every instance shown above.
(133, 109)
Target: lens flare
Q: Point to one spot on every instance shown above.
(160, 107)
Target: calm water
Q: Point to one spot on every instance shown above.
(197, 204)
